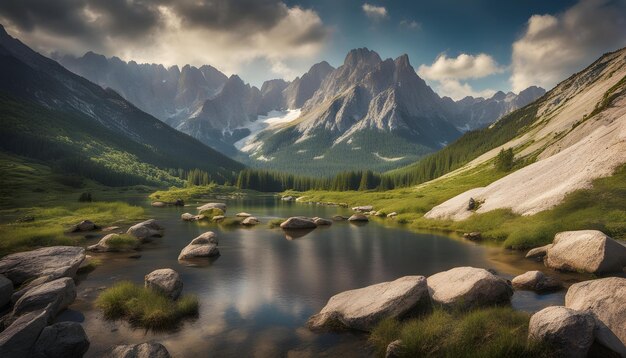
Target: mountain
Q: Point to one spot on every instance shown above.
(562, 142)
(302, 88)
(365, 111)
(474, 113)
(159, 91)
(52, 114)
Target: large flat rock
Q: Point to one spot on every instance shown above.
(143, 350)
(55, 262)
(361, 309)
(468, 287)
(586, 250)
(17, 340)
(53, 296)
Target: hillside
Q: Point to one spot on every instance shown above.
(54, 115)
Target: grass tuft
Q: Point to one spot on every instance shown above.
(488, 332)
(144, 307)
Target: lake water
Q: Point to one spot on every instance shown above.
(257, 296)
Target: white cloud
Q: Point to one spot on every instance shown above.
(375, 13)
(410, 25)
(457, 90)
(554, 47)
(463, 66)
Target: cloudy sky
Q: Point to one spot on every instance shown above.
(459, 47)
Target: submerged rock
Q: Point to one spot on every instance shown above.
(146, 230)
(468, 287)
(159, 204)
(363, 308)
(340, 218)
(536, 281)
(218, 218)
(189, 217)
(53, 262)
(143, 350)
(538, 252)
(605, 298)
(63, 339)
(243, 215)
(298, 222)
(586, 250)
(568, 332)
(17, 340)
(250, 221)
(166, 281)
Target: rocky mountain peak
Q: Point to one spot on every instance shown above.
(362, 56)
(499, 96)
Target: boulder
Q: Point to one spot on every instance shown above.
(143, 350)
(298, 222)
(243, 215)
(322, 222)
(358, 218)
(208, 206)
(586, 250)
(395, 349)
(471, 204)
(63, 339)
(146, 230)
(115, 243)
(567, 332)
(468, 287)
(54, 296)
(538, 252)
(54, 262)
(473, 236)
(159, 204)
(188, 217)
(166, 281)
(17, 340)
(392, 215)
(208, 237)
(202, 246)
(536, 281)
(6, 290)
(85, 225)
(605, 298)
(364, 208)
(250, 221)
(363, 308)
(339, 218)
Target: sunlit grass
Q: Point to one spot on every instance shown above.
(489, 332)
(144, 307)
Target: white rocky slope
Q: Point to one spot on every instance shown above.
(574, 145)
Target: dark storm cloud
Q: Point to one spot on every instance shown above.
(245, 15)
(60, 16)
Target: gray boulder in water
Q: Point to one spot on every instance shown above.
(146, 230)
(63, 339)
(297, 222)
(468, 287)
(363, 308)
(143, 350)
(166, 281)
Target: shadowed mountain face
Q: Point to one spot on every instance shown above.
(95, 121)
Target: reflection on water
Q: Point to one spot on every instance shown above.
(256, 297)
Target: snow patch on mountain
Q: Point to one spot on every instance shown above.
(272, 120)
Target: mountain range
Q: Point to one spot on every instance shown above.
(382, 108)
(52, 114)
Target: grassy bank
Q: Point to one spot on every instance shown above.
(144, 307)
(490, 332)
(199, 192)
(602, 207)
(39, 205)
